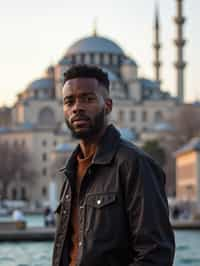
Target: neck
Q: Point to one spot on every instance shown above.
(89, 145)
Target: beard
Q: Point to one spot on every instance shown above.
(95, 127)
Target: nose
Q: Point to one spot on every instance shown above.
(78, 106)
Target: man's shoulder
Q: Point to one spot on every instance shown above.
(129, 152)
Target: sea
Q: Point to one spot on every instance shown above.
(40, 253)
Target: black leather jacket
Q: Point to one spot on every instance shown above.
(123, 213)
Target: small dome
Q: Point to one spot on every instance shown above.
(95, 44)
(65, 147)
(42, 83)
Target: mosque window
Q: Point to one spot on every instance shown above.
(121, 115)
(73, 59)
(92, 59)
(101, 59)
(44, 171)
(82, 58)
(23, 193)
(14, 193)
(44, 156)
(46, 117)
(132, 116)
(44, 191)
(158, 116)
(144, 116)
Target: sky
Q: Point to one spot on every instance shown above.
(35, 34)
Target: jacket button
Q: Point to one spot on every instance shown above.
(98, 202)
(67, 196)
(80, 244)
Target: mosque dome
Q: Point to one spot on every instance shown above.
(94, 44)
(43, 83)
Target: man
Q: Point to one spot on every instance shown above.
(113, 208)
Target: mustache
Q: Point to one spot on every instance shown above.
(79, 117)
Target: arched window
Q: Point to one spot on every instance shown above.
(44, 156)
(44, 191)
(132, 116)
(23, 193)
(121, 116)
(46, 117)
(14, 193)
(158, 116)
(144, 116)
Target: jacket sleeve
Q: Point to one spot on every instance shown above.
(151, 241)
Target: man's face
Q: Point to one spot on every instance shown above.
(85, 107)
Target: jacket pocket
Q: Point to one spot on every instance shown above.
(100, 200)
(101, 210)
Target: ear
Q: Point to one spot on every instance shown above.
(108, 105)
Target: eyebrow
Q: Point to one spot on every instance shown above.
(81, 95)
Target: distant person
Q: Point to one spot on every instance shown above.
(176, 212)
(49, 219)
(18, 216)
(113, 208)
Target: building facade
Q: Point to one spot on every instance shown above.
(37, 118)
(188, 173)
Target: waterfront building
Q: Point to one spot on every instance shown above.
(140, 104)
(188, 173)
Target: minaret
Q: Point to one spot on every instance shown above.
(157, 46)
(180, 42)
(95, 28)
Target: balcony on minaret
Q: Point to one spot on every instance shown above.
(179, 20)
(180, 42)
(180, 65)
(157, 63)
(157, 46)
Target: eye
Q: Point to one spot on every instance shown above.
(90, 98)
(68, 102)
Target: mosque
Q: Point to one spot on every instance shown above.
(139, 105)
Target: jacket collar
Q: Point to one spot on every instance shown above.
(105, 151)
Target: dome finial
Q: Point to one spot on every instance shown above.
(95, 27)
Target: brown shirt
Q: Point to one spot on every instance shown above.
(82, 166)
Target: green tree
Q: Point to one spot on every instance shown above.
(15, 166)
(154, 149)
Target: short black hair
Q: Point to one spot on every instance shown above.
(87, 71)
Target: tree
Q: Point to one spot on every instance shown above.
(153, 148)
(186, 124)
(15, 166)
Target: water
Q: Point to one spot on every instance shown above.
(40, 253)
(187, 248)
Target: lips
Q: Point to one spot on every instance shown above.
(80, 121)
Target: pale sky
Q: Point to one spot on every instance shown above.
(36, 33)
